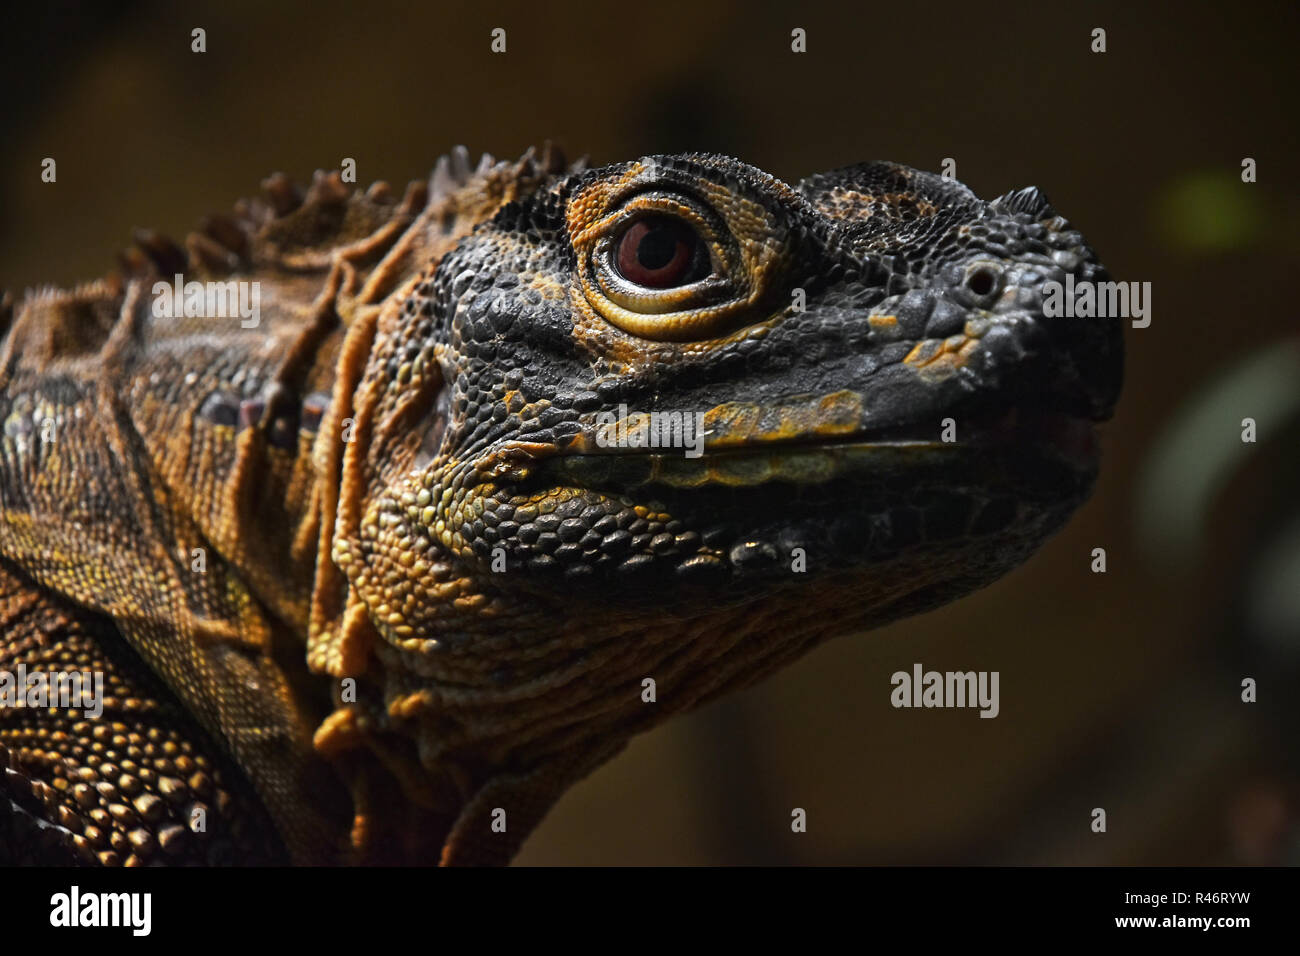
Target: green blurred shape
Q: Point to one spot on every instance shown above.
(1207, 212)
(1201, 448)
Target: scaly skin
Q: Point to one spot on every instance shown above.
(429, 589)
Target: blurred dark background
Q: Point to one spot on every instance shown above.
(1119, 690)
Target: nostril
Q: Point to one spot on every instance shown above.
(982, 281)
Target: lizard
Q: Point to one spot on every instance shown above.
(375, 577)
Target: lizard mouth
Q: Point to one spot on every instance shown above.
(1072, 437)
(811, 457)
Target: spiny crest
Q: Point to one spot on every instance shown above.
(286, 234)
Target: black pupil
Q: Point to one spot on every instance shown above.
(657, 247)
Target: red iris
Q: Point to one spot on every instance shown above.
(659, 252)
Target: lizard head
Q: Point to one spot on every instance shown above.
(675, 419)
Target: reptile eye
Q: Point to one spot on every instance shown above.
(660, 252)
(668, 265)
